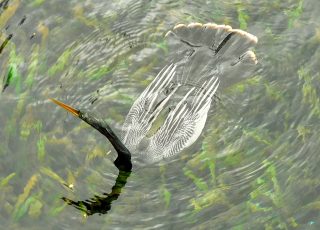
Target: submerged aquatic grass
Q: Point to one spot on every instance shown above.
(24, 200)
(61, 63)
(270, 119)
(294, 13)
(4, 181)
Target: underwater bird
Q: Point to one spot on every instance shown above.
(203, 58)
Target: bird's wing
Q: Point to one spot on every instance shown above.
(184, 123)
(148, 106)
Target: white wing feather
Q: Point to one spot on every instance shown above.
(184, 123)
(148, 106)
(203, 55)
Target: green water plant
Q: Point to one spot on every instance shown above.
(294, 13)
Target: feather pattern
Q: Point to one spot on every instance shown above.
(204, 58)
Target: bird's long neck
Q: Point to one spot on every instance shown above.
(123, 161)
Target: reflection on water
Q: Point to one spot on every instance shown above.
(101, 204)
(255, 166)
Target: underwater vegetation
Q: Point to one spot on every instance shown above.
(256, 164)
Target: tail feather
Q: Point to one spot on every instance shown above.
(201, 50)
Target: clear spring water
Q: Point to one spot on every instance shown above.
(255, 166)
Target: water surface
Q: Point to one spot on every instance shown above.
(255, 166)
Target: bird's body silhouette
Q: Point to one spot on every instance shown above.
(203, 59)
(182, 126)
(203, 55)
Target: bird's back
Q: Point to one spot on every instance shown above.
(203, 58)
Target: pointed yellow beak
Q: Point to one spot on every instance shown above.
(75, 112)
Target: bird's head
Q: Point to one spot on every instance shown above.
(123, 161)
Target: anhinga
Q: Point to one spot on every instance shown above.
(204, 57)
